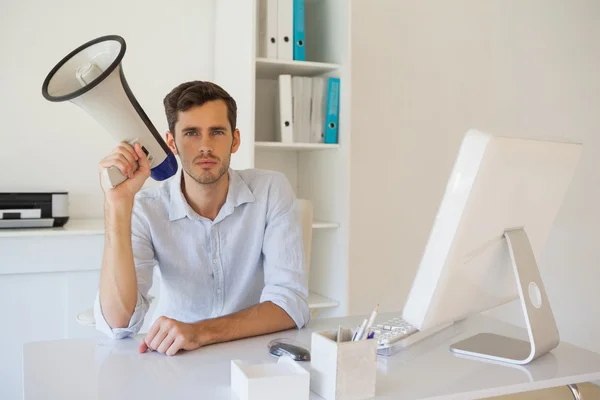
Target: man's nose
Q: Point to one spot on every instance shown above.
(206, 145)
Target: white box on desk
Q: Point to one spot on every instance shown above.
(343, 371)
(266, 381)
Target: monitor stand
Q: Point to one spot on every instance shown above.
(541, 326)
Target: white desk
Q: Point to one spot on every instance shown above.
(106, 369)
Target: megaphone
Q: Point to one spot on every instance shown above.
(91, 76)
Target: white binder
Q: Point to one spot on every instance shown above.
(285, 29)
(307, 83)
(267, 28)
(317, 110)
(285, 124)
(298, 108)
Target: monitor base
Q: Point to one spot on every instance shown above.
(541, 325)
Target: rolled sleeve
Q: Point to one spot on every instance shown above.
(286, 278)
(144, 261)
(135, 323)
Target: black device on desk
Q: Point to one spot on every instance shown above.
(33, 209)
(283, 346)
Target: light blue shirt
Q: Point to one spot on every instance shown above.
(252, 252)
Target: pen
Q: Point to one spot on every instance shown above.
(361, 330)
(371, 321)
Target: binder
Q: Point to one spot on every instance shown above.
(331, 116)
(285, 29)
(285, 124)
(317, 110)
(299, 42)
(298, 108)
(267, 28)
(307, 86)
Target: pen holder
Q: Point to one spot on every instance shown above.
(268, 381)
(344, 370)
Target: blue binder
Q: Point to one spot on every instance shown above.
(332, 111)
(299, 44)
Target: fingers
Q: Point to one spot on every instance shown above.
(130, 160)
(128, 151)
(124, 157)
(166, 343)
(154, 329)
(143, 347)
(165, 327)
(120, 161)
(160, 336)
(142, 159)
(167, 336)
(175, 347)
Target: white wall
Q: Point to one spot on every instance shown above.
(436, 68)
(234, 69)
(56, 146)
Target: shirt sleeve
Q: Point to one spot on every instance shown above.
(286, 278)
(144, 261)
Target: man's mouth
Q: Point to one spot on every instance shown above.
(206, 163)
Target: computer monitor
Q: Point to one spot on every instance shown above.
(498, 209)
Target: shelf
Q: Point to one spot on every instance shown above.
(270, 69)
(325, 225)
(72, 228)
(318, 301)
(278, 146)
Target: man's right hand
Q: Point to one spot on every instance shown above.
(125, 158)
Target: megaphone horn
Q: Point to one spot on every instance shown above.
(91, 76)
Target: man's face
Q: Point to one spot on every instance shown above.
(204, 141)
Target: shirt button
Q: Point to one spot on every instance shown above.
(215, 261)
(219, 291)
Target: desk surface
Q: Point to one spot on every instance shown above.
(107, 369)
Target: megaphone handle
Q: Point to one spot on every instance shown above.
(113, 176)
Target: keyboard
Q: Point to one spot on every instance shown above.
(396, 334)
(391, 331)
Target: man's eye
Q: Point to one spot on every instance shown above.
(190, 133)
(218, 132)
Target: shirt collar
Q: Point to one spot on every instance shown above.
(238, 193)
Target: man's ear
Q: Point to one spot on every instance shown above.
(170, 138)
(235, 145)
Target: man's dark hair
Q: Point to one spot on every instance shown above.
(196, 93)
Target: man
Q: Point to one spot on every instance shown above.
(228, 244)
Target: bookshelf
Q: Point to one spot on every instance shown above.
(271, 69)
(318, 172)
(278, 146)
(316, 301)
(325, 225)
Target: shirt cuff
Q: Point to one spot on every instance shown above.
(293, 303)
(135, 323)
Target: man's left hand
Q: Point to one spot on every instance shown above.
(168, 336)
